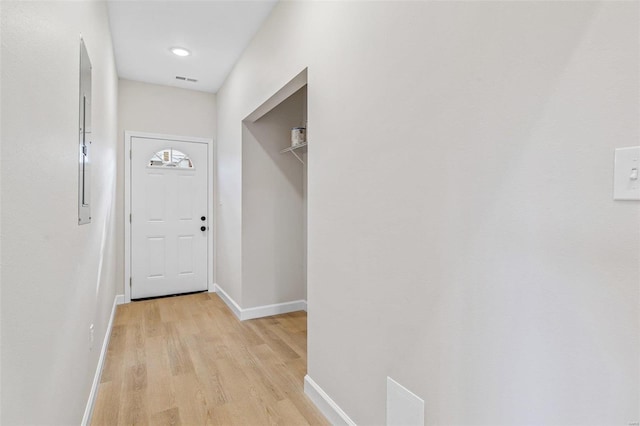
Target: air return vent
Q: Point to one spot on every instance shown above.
(192, 80)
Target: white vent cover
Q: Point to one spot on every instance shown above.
(404, 408)
(192, 80)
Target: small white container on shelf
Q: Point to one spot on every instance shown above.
(298, 136)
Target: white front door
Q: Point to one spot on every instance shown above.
(169, 223)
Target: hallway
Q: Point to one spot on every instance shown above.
(188, 360)
(462, 219)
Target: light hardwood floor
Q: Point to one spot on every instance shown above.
(188, 360)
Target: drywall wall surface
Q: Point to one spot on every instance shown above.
(58, 278)
(228, 177)
(153, 108)
(241, 95)
(0, 224)
(462, 233)
(305, 159)
(272, 208)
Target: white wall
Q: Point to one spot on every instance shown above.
(1, 20)
(462, 233)
(273, 208)
(57, 277)
(152, 108)
(1, 138)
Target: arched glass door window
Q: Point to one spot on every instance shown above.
(170, 157)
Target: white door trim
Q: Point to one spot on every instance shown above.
(128, 134)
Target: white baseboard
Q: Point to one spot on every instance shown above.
(259, 311)
(88, 411)
(235, 308)
(276, 309)
(325, 404)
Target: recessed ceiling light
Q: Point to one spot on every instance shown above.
(180, 51)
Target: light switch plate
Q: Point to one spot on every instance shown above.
(626, 174)
(404, 408)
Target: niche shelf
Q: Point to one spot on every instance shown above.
(301, 148)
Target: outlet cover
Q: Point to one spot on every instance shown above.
(404, 408)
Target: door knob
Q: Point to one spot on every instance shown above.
(203, 218)
(203, 228)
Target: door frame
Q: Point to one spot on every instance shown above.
(128, 135)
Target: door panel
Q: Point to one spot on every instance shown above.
(185, 254)
(185, 198)
(155, 256)
(168, 198)
(155, 197)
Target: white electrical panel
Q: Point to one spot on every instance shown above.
(84, 165)
(626, 174)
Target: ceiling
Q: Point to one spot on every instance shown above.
(216, 32)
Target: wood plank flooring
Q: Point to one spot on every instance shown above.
(188, 361)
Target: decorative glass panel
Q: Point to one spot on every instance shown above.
(170, 158)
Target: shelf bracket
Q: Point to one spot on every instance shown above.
(292, 149)
(299, 159)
